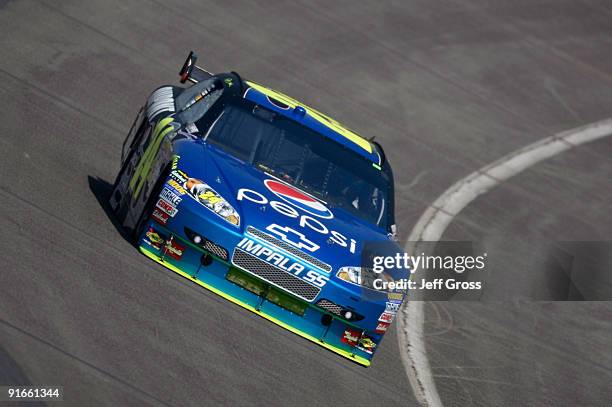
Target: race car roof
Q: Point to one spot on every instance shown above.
(312, 119)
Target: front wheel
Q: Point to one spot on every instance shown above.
(147, 210)
(119, 197)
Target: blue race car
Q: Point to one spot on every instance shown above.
(264, 201)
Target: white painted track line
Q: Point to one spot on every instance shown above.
(431, 226)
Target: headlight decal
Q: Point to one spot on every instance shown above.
(363, 277)
(206, 196)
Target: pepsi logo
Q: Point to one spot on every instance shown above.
(298, 199)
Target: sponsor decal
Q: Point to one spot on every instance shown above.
(293, 237)
(305, 221)
(178, 189)
(386, 317)
(175, 160)
(154, 238)
(179, 176)
(381, 328)
(298, 199)
(351, 337)
(281, 261)
(209, 198)
(392, 307)
(395, 296)
(173, 249)
(170, 196)
(160, 216)
(204, 93)
(366, 344)
(167, 207)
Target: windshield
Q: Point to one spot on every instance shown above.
(305, 159)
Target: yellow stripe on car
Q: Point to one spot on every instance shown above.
(320, 117)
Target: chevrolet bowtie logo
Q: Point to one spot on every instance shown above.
(293, 237)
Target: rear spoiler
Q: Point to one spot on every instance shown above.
(191, 72)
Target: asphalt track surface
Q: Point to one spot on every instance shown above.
(446, 86)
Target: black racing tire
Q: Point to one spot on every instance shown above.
(122, 209)
(122, 169)
(147, 211)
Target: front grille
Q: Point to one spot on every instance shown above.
(336, 309)
(330, 307)
(275, 275)
(216, 249)
(285, 246)
(207, 244)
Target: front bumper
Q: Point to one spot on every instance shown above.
(214, 277)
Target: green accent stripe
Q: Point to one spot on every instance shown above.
(144, 165)
(348, 355)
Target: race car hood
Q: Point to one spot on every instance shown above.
(267, 204)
